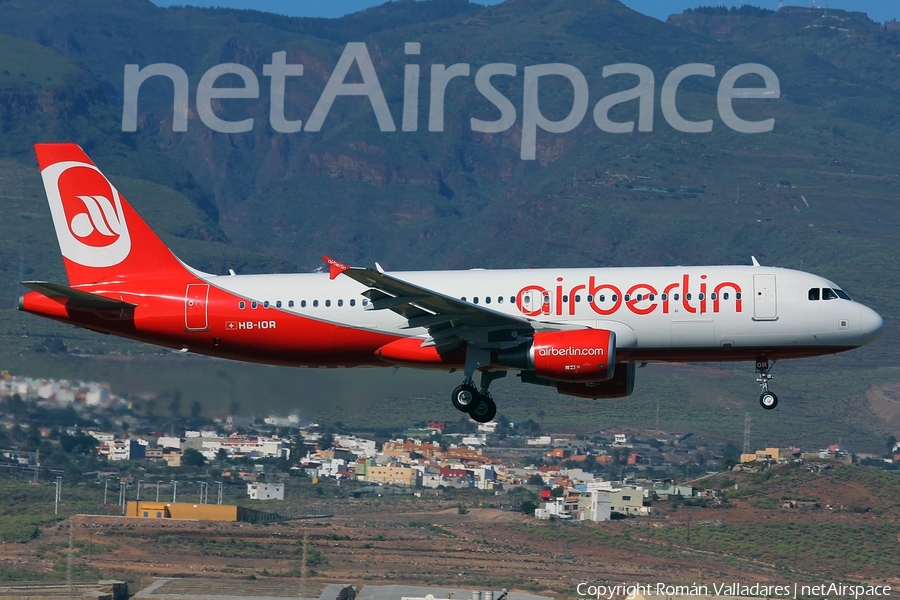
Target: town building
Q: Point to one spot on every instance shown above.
(265, 491)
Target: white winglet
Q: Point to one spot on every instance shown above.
(755, 262)
(379, 268)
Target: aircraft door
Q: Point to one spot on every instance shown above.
(765, 304)
(196, 298)
(534, 302)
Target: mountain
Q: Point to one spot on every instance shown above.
(818, 192)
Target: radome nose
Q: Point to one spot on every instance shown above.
(870, 324)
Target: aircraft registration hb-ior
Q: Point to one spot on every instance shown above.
(579, 330)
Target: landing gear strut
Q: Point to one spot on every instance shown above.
(768, 400)
(466, 398)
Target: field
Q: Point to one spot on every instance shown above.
(850, 536)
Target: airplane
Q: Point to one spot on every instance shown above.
(582, 331)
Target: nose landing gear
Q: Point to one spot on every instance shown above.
(768, 400)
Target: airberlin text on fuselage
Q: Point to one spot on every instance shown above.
(532, 117)
(641, 298)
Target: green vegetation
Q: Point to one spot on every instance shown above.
(238, 548)
(432, 528)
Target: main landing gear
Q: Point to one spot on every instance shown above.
(477, 403)
(768, 400)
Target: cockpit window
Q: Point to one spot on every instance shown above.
(814, 294)
(842, 294)
(828, 294)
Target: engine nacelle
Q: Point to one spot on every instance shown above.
(567, 356)
(621, 385)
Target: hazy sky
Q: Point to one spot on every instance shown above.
(878, 10)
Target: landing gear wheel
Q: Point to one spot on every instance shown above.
(463, 397)
(768, 400)
(483, 409)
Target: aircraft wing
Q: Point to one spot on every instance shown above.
(448, 320)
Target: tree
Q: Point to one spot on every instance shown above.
(192, 457)
(535, 479)
(196, 409)
(528, 427)
(503, 428)
(234, 407)
(528, 507)
(891, 443)
(221, 455)
(175, 405)
(326, 441)
(558, 492)
(79, 443)
(731, 450)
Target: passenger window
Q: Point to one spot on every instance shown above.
(577, 298)
(352, 302)
(565, 297)
(278, 304)
(290, 304)
(814, 294)
(475, 300)
(737, 296)
(675, 297)
(303, 304)
(590, 298)
(700, 296)
(725, 296)
(828, 294)
(687, 296)
(266, 304)
(713, 296)
(463, 298)
(253, 305)
(664, 297)
(615, 297)
(512, 299)
(602, 297)
(242, 305)
(627, 297)
(487, 299)
(328, 303)
(315, 304)
(500, 299)
(365, 302)
(652, 297)
(340, 302)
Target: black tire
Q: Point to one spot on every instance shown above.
(483, 409)
(463, 397)
(768, 400)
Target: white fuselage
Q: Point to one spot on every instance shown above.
(732, 308)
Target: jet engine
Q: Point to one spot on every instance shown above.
(584, 355)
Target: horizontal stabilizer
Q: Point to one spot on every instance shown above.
(76, 298)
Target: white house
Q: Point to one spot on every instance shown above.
(265, 491)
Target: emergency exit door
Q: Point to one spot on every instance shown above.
(195, 307)
(765, 303)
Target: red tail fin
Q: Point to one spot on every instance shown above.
(100, 235)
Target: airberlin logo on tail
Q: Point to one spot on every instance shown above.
(87, 214)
